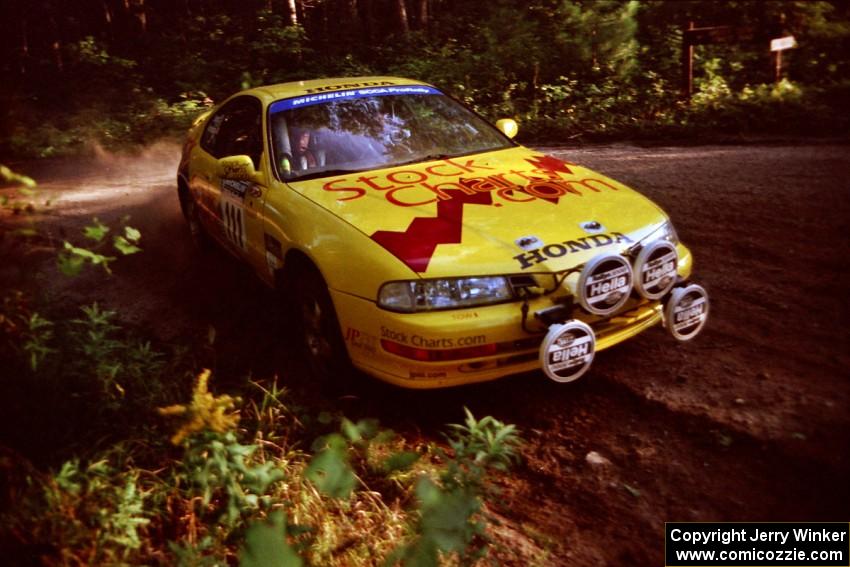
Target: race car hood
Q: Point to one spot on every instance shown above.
(508, 211)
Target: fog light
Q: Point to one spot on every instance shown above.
(686, 312)
(655, 269)
(605, 284)
(567, 351)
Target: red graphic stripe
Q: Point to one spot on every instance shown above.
(550, 164)
(553, 200)
(415, 246)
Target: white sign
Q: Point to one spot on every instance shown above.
(783, 43)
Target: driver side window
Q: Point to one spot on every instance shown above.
(235, 130)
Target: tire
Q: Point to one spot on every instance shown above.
(318, 335)
(197, 232)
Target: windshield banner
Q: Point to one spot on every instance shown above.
(322, 98)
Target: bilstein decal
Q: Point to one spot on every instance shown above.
(686, 312)
(528, 259)
(406, 188)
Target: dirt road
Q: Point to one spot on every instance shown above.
(748, 422)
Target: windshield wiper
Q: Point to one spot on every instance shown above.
(429, 157)
(324, 173)
(335, 172)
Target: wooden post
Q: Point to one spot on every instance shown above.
(777, 46)
(687, 64)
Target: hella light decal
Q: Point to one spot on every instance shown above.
(605, 284)
(567, 351)
(655, 269)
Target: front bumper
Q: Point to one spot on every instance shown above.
(476, 344)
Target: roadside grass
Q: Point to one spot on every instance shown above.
(358, 495)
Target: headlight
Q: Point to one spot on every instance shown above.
(455, 293)
(665, 231)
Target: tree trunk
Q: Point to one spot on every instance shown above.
(56, 45)
(423, 14)
(300, 12)
(293, 12)
(141, 16)
(368, 19)
(351, 25)
(25, 47)
(351, 11)
(107, 15)
(401, 14)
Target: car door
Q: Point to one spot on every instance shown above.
(235, 130)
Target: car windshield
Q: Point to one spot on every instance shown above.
(346, 131)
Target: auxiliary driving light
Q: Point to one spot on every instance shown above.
(686, 312)
(655, 269)
(605, 284)
(567, 351)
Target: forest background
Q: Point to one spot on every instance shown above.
(125, 72)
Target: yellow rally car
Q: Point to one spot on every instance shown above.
(420, 244)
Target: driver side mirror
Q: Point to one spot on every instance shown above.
(240, 168)
(508, 127)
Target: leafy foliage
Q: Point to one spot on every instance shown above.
(205, 412)
(38, 333)
(266, 545)
(72, 259)
(221, 470)
(101, 358)
(9, 176)
(223, 493)
(90, 514)
(449, 509)
(329, 470)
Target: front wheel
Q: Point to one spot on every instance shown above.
(319, 336)
(196, 230)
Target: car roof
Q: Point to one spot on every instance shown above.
(270, 93)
